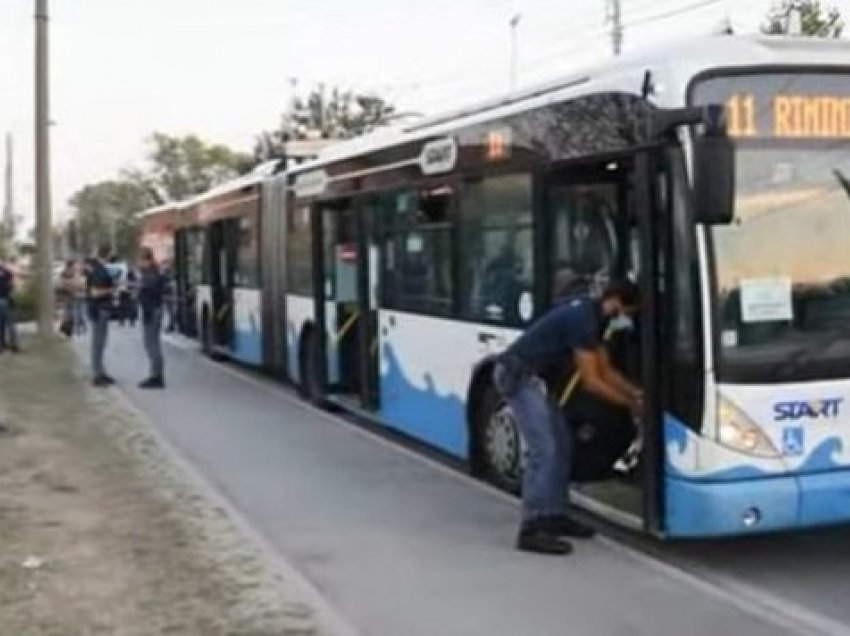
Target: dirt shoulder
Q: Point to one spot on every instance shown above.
(101, 534)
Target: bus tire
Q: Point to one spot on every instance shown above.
(309, 387)
(206, 333)
(498, 443)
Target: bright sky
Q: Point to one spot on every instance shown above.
(122, 69)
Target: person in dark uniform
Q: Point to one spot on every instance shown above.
(571, 329)
(151, 296)
(7, 285)
(100, 288)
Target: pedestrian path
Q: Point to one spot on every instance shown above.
(398, 546)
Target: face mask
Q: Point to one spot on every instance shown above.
(621, 322)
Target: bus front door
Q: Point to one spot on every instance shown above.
(592, 238)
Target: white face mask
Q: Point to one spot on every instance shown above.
(621, 322)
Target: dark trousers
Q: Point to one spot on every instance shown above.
(152, 337)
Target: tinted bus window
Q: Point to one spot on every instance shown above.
(247, 262)
(497, 265)
(418, 259)
(299, 252)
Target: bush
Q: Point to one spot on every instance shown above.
(26, 303)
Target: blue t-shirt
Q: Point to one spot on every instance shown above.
(99, 277)
(576, 324)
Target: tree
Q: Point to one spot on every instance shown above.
(323, 114)
(105, 213)
(184, 166)
(816, 20)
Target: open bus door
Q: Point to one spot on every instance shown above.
(223, 237)
(592, 214)
(346, 348)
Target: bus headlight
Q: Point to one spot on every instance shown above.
(738, 432)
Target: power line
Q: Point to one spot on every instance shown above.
(673, 12)
(561, 51)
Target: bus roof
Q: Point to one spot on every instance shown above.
(673, 66)
(171, 206)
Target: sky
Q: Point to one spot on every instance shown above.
(224, 69)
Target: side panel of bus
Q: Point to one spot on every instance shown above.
(426, 366)
(247, 337)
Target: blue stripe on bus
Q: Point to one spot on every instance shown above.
(426, 414)
(248, 347)
(699, 509)
(815, 494)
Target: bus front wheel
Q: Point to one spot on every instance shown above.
(308, 366)
(499, 443)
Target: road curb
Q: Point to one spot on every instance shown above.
(328, 618)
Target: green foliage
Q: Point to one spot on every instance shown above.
(26, 302)
(817, 20)
(323, 114)
(179, 167)
(184, 166)
(105, 214)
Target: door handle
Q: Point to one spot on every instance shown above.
(487, 338)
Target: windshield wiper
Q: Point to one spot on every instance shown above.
(809, 353)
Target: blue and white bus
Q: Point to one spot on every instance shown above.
(395, 265)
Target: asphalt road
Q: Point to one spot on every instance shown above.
(403, 547)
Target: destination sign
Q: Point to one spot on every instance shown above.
(782, 105)
(788, 116)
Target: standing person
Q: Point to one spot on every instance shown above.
(7, 285)
(151, 296)
(572, 329)
(100, 287)
(11, 323)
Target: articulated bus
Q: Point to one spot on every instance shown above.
(399, 263)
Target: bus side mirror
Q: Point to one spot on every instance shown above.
(714, 179)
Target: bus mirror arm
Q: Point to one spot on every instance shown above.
(713, 158)
(710, 117)
(713, 177)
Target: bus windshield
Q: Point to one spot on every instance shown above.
(782, 268)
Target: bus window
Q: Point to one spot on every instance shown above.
(299, 252)
(247, 259)
(418, 252)
(497, 265)
(586, 246)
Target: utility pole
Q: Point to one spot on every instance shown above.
(615, 19)
(8, 220)
(514, 22)
(44, 229)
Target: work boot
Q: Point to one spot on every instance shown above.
(102, 381)
(566, 526)
(533, 537)
(155, 382)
